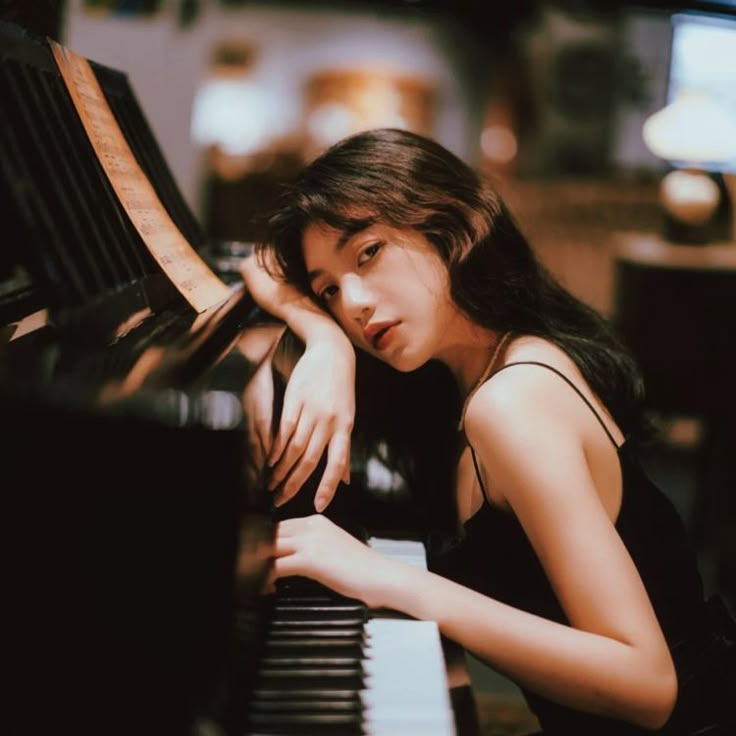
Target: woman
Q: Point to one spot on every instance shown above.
(573, 576)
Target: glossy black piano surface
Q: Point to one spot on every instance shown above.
(140, 523)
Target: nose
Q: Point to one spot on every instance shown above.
(357, 300)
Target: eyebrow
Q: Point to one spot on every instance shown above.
(342, 241)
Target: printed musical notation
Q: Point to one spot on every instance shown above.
(180, 262)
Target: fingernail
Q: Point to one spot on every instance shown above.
(319, 504)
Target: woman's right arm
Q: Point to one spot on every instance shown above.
(319, 403)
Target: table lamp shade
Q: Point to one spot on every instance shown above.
(692, 130)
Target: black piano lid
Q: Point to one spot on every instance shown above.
(71, 247)
(71, 234)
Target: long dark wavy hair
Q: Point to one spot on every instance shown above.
(410, 182)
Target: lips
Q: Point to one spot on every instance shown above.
(379, 334)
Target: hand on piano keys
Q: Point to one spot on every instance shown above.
(317, 548)
(331, 665)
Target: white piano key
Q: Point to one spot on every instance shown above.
(407, 691)
(409, 551)
(406, 687)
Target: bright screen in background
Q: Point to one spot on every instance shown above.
(703, 58)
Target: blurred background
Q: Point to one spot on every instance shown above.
(610, 127)
(548, 97)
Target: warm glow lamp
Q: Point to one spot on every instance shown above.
(695, 135)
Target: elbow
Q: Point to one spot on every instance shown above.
(661, 696)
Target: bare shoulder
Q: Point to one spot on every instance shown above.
(522, 413)
(522, 395)
(537, 349)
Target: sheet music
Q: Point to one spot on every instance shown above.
(180, 262)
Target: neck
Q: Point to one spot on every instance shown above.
(467, 352)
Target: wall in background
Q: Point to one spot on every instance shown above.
(166, 64)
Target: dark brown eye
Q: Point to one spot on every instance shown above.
(367, 253)
(327, 293)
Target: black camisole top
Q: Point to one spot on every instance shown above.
(494, 557)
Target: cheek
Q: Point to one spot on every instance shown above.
(348, 326)
(427, 280)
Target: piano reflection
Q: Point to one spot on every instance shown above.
(141, 528)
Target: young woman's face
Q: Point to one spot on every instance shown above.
(387, 288)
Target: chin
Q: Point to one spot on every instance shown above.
(402, 362)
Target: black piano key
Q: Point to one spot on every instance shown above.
(347, 634)
(294, 612)
(308, 646)
(302, 623)
(277, 694)
(336, 678)
(308, 660)
(314, 705)
(307, 723)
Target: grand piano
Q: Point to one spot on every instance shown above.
(140, 529)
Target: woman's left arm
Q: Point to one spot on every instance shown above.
(611, 660)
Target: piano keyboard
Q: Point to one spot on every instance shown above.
(332, 666)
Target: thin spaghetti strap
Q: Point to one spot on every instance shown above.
(569, 383)
(477, 475)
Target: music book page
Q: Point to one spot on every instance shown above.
(199, 285)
